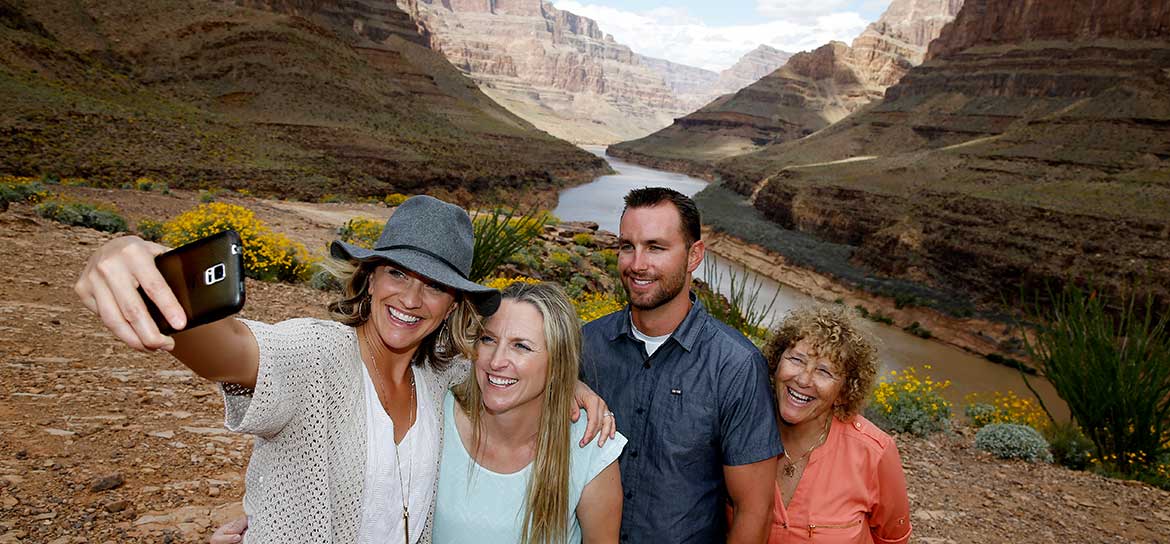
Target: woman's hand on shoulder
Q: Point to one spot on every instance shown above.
(108, 286)
(600, 420)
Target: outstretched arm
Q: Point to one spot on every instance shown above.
(223, 351)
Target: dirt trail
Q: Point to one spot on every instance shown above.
(99, 443)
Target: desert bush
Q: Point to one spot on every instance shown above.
(1112, 368)
(207, 196)
(322, 279)
(560, 259)
(268, 256)
(743, 308)
(1069, 445)
(583, 239)
(361, 232)
(1012, 441)
(394, 199)
(984, 409)
(82, 214)
(330, 198)
(576, 285)
(904, 402)
(591, 306)
(149, 229)
(21, 189)
(144, 184)
(502, 283)
(499, 234)
(918, 330)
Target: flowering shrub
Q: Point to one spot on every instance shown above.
(1012, 441)
(906, 403)
(21, 189)
(150, 230)
(144, 184)
(394, 199)
(1004, 408)
(1069, 445)
(591, 306)
(82, 214)
(268, 256)
(361, 232)
(503, 283)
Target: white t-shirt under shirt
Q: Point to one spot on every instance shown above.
(652, 342)
(382, 494)
(477, 505)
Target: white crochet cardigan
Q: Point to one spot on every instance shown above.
(304, 481)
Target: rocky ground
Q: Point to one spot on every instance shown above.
(99, 443)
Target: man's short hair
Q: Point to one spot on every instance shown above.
(688, 212)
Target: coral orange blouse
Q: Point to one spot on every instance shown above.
(853, 491)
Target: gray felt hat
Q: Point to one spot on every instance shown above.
(433, 239)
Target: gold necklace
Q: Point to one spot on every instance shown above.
(790, 465)
(410, 422)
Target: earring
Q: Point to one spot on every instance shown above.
(443, 342)
(364, 307)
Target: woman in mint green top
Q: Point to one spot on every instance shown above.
(512, 475)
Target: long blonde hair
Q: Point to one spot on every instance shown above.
(353, 309)
(546, 508)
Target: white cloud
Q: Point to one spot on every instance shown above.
(673, 34)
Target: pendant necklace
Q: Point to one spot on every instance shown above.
(790, 464)
(397, 460)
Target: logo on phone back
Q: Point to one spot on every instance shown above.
(215, 274)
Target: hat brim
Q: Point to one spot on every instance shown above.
(485, 299)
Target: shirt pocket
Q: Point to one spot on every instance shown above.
(689, 427)
(838, 530)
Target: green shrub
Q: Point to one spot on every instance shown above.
(981, 414)
(207, 196)
(393, 200)
(1112, 368)
(576, 286)
(499, 234)
(82, 214)
(1011, 441)
(361, 232)
(144, 184)
(322, 280)
(268, 256)
(918, 330)
(150, 230)
(743, 308)
(16, 189)
(1069, 445)
(583, 239)
(906, 403)
(560, 258)
(330, 198)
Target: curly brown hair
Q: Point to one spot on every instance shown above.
(836, 336)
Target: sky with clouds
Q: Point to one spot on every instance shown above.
(713, 35)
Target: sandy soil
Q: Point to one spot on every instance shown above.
(99, 443)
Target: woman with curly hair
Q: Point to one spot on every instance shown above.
(840, 479)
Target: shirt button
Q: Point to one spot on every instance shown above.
(639, 411)
(629, 494)
(623, 537)
(646, 364)
(634, 454)
(857, 424)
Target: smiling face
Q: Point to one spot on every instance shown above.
(807, 385)
(654, 259)
(406, 307)
(511, 359)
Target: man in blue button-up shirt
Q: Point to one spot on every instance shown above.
(689, 393)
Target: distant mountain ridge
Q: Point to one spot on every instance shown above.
(809, 92)
(562, 73)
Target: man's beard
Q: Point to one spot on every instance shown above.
(668, 287)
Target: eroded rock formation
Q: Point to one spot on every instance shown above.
(811, 91)
(1033, 147)
(296, 98)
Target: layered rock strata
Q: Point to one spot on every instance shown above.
(810, 92)
(553, 68)
(294, 98)
(1032, 148)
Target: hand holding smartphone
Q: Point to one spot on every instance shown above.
(207, 278)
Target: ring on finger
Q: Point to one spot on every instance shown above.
(607, 414)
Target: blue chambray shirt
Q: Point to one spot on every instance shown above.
(702, 401)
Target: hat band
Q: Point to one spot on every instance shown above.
(428, 253)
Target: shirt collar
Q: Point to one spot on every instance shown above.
(686, 334)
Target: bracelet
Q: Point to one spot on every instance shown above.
(236, 390)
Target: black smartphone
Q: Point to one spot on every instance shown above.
(207, 276)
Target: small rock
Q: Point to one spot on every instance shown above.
(59, 432)
(214, 492)
(117, 506)
(105, 483)
(45, 516)
(166, 435)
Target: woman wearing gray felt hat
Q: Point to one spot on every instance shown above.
(346, 412)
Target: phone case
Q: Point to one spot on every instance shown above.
(207, 277)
